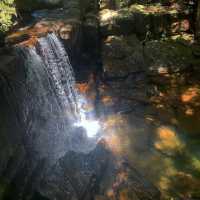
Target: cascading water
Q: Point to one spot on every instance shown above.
(51, 108)
(59, 68)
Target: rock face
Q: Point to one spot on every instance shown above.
(122, 55)
(139, 19)
(97, 175)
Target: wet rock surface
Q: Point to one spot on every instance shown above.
(98, 174)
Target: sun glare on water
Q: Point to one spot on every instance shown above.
(88, 122)
(92, 127)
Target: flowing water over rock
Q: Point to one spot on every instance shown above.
(58, 65)
(50, 110)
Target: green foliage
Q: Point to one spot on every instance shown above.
(7, 11)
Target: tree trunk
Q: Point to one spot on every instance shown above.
(197, 31)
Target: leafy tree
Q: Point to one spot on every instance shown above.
(7, 11)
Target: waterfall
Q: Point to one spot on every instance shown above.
(49, 77)
(50, 105)
(60, 70)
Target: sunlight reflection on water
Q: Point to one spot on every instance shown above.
(87, 119)
(91, 127)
